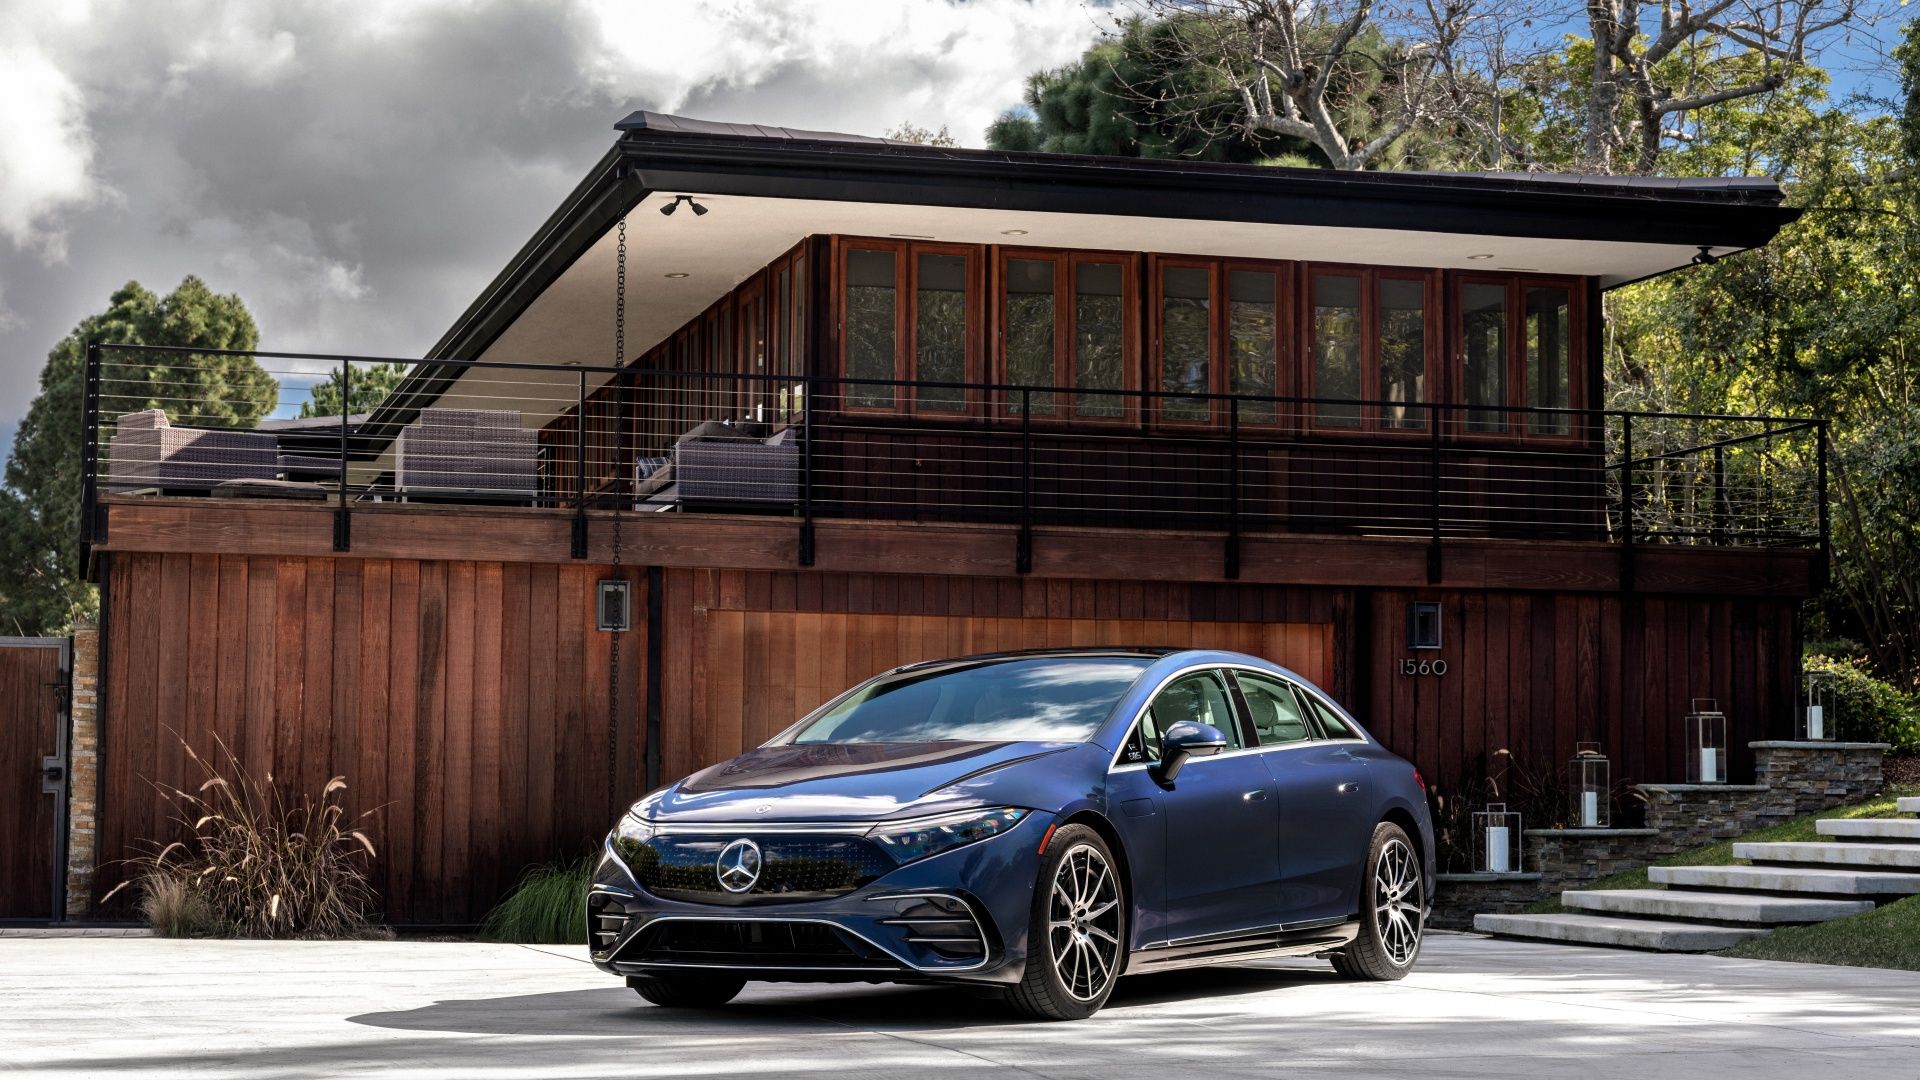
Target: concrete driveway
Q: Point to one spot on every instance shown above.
(1474, 1008)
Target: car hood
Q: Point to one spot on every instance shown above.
(828, 782)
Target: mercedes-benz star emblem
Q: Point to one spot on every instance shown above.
(738, 866)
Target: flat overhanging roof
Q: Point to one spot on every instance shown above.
(768, 188)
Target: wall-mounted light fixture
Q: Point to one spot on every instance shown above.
(668, 209)
(615, 614)
(1706, 257)
(1423, 624)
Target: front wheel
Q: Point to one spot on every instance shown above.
(1392, 911)
(686, 991)
(1076, 937)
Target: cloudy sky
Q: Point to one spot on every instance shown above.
(358, 169)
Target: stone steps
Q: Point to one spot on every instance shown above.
(1839, 853)
(1745, 908)
(1789, 879)
(1870, 828)
(1909, 805)
(1617, 932)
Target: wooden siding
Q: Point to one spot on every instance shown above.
(466, 701)
(467, 698)
(30, 686)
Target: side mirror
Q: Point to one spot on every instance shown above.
(1184, 740)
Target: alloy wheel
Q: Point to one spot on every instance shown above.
(1084, 923)
(1397, 901)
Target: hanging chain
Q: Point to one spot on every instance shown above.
(619, 436)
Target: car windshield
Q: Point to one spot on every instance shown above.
(1038, 699)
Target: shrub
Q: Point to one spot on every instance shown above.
(547, 907)
(255, 866)
(1870, 709)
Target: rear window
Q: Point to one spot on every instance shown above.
(1040, 699)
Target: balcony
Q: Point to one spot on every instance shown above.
(1187, 473)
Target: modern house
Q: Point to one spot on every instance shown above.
(823, 404)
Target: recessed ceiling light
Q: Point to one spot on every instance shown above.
(1477, 258)
(908, 236)
(1013, 232)
(677, 274)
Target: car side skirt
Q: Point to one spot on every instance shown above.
(1256, 944)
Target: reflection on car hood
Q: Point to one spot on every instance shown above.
(828, 781)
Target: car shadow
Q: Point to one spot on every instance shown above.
(616, 1012)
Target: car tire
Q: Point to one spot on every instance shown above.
(687, 991)
(1392, 910)
(1079, 903)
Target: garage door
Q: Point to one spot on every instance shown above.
(766, 669)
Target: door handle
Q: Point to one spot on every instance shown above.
(1349, 787)
(1257, 795)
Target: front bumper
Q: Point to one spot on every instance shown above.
(959, 915)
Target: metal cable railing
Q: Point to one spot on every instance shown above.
(272, 425)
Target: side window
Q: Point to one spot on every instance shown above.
(1330, 719)
(1275, 712)
(1200, 697)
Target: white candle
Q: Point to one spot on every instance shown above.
(1709, 765)
(1589, 808)
(1816, 721)
(1497, 849)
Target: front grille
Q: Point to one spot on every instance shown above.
(753, 943)
(792, 868)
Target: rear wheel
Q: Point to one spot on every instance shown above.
(1392, 910)
(1076, 937)
(686, 991)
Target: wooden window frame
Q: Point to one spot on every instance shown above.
(1372, 419)
(748, 391)
(1066, 262)
(1516, 427)
(1220, 323)
(906, 309)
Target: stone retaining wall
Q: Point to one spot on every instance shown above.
(1795, 778)
(83, 770)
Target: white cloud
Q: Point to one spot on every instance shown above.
(46, 151)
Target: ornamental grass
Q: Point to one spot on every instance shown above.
(254, 864)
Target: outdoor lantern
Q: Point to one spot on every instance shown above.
(1592, 784)
(1818, 717)
(1496, 838)
(1706, 743)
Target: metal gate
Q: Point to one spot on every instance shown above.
(34, 694)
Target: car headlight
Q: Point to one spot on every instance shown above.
(629, 836)
(921, 837)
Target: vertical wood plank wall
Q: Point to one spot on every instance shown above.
(468, 701)
(30, 711)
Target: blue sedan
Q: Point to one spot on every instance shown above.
(1042, 822)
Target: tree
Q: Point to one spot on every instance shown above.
(1349, 78)
(41, 587)
(368, 387)
(1642, 84)
(906, 132)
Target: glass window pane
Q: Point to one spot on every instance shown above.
(1099, 327)
(1185, 339)
(1336, 348)
(1483, 326)
(1200, 698)
(1549, 358)
(940, 329)
(1030, 330)
(1403, 351)
(872, 332)
(1253, 341)
(1275, 712)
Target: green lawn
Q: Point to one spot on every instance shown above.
(1888, 937)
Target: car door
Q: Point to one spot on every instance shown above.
(1221, 832)
(1322, 788)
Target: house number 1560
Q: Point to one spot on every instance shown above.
(1410, 666)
